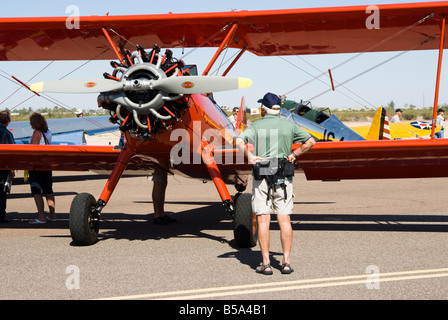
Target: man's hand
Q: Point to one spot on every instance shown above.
(291, 158)
(254, 159)
(304, 148)
(251, 158)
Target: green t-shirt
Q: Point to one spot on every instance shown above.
(273, 136)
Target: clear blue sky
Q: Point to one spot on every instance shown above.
(409, 79)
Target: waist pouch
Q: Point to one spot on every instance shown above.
(274, 171)
(277, 168)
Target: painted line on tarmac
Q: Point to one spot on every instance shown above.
(207, 293)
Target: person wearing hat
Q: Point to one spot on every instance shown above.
(273, 138)
(440, 120)
(79, 113)
(396, 117)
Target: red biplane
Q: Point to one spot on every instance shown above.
(168, 114)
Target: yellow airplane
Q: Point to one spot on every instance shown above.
(329, 128)
(381, 129)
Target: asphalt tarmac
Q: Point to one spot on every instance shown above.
(362, 240)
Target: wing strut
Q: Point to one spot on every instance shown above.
(221, 48)
(215, 174)
(126, 154)
(112, 44)
(85, 212)
(439, 67)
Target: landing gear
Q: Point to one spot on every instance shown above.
(84, 220)
(245, 225)
(85, 211)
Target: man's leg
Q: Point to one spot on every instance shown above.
(160, 182)
(160, 179)
(286, 236)
(264, 221)
(158, 198)
(262, 209)
(284, 208)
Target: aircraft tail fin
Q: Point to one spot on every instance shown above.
(379, 130)
(241, 121)
(386, 128)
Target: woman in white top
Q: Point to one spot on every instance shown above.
(41, 182)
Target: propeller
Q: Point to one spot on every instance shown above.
(178, 85)
(84, 85)
(195, 84)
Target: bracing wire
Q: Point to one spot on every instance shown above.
(393, 36)
(375, 66)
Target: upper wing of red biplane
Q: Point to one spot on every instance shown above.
(273, 32)
(279, 32)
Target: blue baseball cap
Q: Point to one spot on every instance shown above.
(270, 100)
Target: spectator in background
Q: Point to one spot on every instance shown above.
(234, 117)
(440, 120)
(79, 113)
(41, 182)
(396, 117)
(6, 137)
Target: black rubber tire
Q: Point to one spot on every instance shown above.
(245, 225)
(83, 229)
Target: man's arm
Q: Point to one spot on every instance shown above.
(249, 155)
(301, 150)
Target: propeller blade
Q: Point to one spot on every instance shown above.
(200, 84)
(77, 86)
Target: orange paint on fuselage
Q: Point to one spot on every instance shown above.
(203, 119)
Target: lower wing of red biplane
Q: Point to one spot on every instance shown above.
(413, 158)
(150, 92)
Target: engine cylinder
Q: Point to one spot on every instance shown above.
(137, 106)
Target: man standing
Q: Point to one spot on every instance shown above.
(6, 137)
(234, 116)
(396, 117)
(440, 120)
(272, 138)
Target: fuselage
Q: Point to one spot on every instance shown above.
(178, 150)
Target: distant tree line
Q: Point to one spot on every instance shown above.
(410, 112)
(53, 113)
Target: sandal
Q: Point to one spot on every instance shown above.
(262, 269)
(37, 221)
(286, 268)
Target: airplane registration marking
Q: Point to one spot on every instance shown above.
(286, 285)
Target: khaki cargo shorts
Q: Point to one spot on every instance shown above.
(277, 203)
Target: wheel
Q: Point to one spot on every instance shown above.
(245, 226)
(83, 222)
